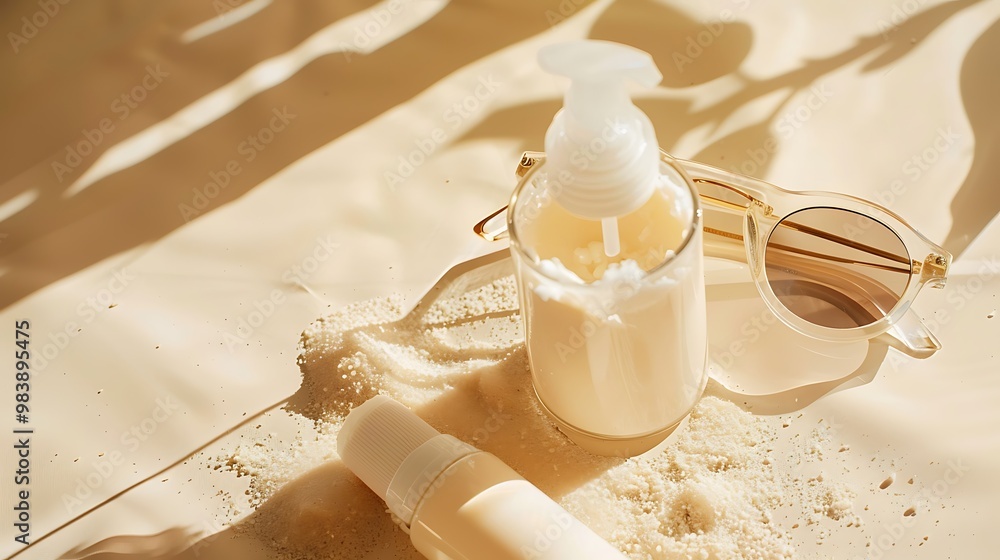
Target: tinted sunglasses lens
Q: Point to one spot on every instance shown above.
(836, 268)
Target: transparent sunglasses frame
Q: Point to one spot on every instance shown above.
(764, 208)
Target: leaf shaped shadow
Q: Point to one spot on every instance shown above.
(978, 199)
(755, 143)
(687, 52)
(902, 38)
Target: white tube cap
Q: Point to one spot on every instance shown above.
(604, 142)
(395, 453)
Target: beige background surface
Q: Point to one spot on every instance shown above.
(850, 93)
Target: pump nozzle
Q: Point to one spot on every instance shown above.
(599, 71)
(604, 141)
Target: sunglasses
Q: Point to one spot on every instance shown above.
(830, 266)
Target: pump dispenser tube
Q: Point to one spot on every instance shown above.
(612, 243)
(459, 503)
(606, 242)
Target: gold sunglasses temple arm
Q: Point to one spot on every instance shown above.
(847, 242)
(800, 251)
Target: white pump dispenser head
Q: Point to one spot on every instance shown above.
(605, 143)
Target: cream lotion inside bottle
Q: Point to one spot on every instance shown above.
(457, 502)
(606, 240)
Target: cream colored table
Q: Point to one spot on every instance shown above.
(185, 186)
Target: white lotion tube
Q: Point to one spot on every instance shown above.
(458, 502)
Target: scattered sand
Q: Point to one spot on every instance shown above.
(711, 493)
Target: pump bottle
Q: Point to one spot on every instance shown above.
(458, 503)
(606, 241)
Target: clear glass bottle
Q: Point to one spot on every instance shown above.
(607, 244)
